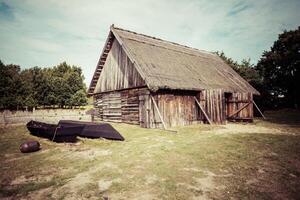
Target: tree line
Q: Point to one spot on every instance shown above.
(276, 75)
(59, 86)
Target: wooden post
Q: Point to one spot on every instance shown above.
(258, 109)
(239, 110)
(161, 118)
(207, 118)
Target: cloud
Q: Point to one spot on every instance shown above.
(239, 7)
(45, 33)
(6, 12)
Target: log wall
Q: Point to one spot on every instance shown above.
(119, 106)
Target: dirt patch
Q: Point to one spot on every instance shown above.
(234, 128)
(39, 194)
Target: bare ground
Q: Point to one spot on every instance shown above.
(234, 161)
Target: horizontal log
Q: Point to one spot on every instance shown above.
(112, 114)
(130, 109)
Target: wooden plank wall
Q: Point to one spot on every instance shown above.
(213, 102)
(149, 117)
(234, 101)
(118, 72)
(177, 108)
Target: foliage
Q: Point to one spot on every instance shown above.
(279, 68)
(11, 87)
(61, 86)
(79, 98)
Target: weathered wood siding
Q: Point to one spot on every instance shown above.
(119, 106)
(178, 108)
(130, 106)
(235, 101)
(109, 106)
(219, 106)
(213, 102)
(118, 71)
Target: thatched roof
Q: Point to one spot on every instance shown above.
(167, 65)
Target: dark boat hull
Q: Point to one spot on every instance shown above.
(62, 134)
(94, 130)
(67, 130)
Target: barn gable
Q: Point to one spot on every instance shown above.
(160, 64)
(118, 71)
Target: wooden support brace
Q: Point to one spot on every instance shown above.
(161, 118)
(239, 110)
(207, 118)
(258, 109)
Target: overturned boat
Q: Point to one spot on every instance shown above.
(68, 130)
(54, 132)
(94, 130)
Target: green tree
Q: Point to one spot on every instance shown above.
(279, 68)
(79, 98)
(61, 85)
(67, 81)
(10, 87)
(28, 91)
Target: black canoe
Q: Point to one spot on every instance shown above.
(94, 130)
(67, 130)
(61, 133)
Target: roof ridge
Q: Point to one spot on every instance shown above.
(159, 39)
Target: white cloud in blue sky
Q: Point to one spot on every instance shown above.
(45, 33)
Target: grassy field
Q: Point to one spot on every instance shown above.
(234, 161)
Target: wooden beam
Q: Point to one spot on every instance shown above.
(108, 41)
(206, 116)
(239, 110)
(258, 109)
(161, 118)
(117, 90)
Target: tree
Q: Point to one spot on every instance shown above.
(68, 80)
(61, 85)
(28, 91)
(279, 68)
(79, 98)
(10, 87)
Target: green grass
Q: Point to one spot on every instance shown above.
(240, 161)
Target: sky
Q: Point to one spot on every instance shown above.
(46, 33)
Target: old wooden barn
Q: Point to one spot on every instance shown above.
(159, 84)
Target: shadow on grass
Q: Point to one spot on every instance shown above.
(284, 116)
(268, 167)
